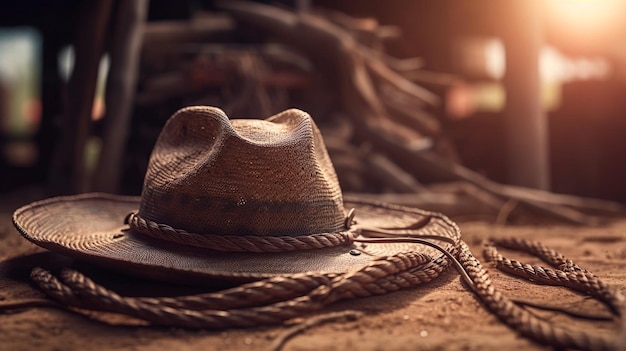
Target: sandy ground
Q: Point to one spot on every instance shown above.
(442, 315)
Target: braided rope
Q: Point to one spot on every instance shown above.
(271, 290)
(77, 290)
(570, 275)
(241, 243)
(525, 322)
(53, 287)
(274, 300)
(548, 255)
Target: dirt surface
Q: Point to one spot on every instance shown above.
(442, 315)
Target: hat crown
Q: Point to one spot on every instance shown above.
(211, 175)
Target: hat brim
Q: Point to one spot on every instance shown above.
(91, 227)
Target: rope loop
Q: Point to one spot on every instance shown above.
(273, 300)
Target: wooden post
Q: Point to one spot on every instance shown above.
(526, 125)
(68, 169)
(120, 92)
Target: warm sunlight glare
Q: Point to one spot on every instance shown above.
(585, 14)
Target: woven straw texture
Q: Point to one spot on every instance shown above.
(91, 227)
(273, 177)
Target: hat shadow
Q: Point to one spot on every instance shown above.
(17, 271)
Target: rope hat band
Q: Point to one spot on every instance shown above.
(231, 243)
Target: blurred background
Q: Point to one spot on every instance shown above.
(527, 93)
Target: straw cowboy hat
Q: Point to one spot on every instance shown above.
(239, 199)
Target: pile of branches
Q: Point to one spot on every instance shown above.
(254, 60)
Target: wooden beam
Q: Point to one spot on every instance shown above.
(526, 124)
